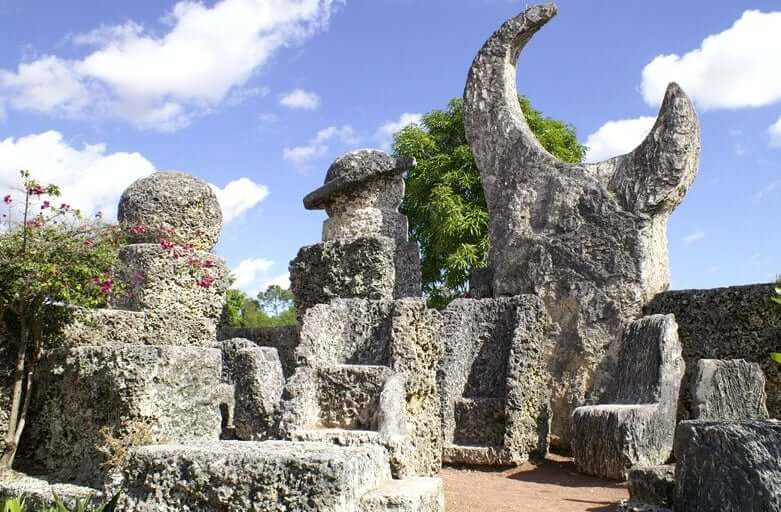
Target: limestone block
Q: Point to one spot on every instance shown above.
(737, 322)
(407, 495)
(176, 201)
(354, 268)
(272, 476)
(284, 339)
(493, 379)
(652, 486)
(101, 327)
(728, 390)
(162, 282)
(81, 390)
(637, 427)
(589, 239)
(729, 466)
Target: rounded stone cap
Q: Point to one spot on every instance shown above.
(173, 201)
(351, 170)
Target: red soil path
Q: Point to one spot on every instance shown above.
(552, 486)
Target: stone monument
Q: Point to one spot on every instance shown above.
(589, 239)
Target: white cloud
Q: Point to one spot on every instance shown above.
(775, 134)
(92, 179)
(238, 196)
(254, 275)
(767, 190)
(385, 133)
(300, 99)
(318, 146)
(694, 237)
(732, 69)
(162, 82)
(617, 137)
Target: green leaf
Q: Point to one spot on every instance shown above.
(776, 356)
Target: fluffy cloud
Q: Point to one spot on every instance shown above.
(617, 137)
(238, 196)
(385, 133)
(694, 237)
(162, 82)
(300, 99)
(775, 134)
(732, 69)
(318, 146)
(93, 179)
(254, 275)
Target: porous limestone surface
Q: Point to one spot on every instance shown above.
(737, 322)
(160, 281)
(652, 485)
(493, 379)
(729, 466)
(232, 476)
(172, 201)
(728, 390)
(419, 494)
(636, 427)
(284, 339)
(354, 268)
(589, 239)
(102, 327)
(39, 493)
(169, 392)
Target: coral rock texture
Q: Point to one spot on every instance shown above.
(728, 390)
(589, 239)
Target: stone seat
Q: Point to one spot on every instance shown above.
(415, 494)
(637, 427)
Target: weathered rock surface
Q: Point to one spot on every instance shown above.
(173, 201)
(354, 268)
(493, 380)
(409, 495)
(728, 466)
(738, 322)
(728, 390)
(636, 428)
(272, 476)
(171, 390)
(652, 486)
(39, 493)
(284, 339)
(258, 382)
(589, 239)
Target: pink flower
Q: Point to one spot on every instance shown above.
(7, 199)
(167, 244)
(88, 243)
(138, 229)
(45, 205)
(208, 263)
(105, 285)
(64, 206)
(206, 281)
(36, 190)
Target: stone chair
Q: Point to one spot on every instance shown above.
(637, 426)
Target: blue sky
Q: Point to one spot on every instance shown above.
(259, 96)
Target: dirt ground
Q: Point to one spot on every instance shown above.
(553, 486)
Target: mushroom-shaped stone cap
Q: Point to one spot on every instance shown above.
(175, 203)
(353, 169)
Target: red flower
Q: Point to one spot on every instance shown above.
(208, 263)
(7, 199)
(64, 206)
(105, 285)
(45, 205)
(206, 281)
(167, 244)
(36, 190)
(138, 229)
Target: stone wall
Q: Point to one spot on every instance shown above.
(284, 339)
(738, 322)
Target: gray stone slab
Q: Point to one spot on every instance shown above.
(590, 239)
(729, 466)
(728, 390)
(284, 339)
(652, 485)
(408, 495)
(272, 476)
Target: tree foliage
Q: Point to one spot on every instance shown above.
(444, 198)
(272, 308)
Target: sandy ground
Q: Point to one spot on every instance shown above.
(553, 486)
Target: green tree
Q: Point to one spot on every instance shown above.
(276, 300)
(273, 308)
(49, 257)
(444, 198)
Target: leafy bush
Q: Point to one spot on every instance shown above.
(272, 308)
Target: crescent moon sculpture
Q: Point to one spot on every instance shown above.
(590, 239)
